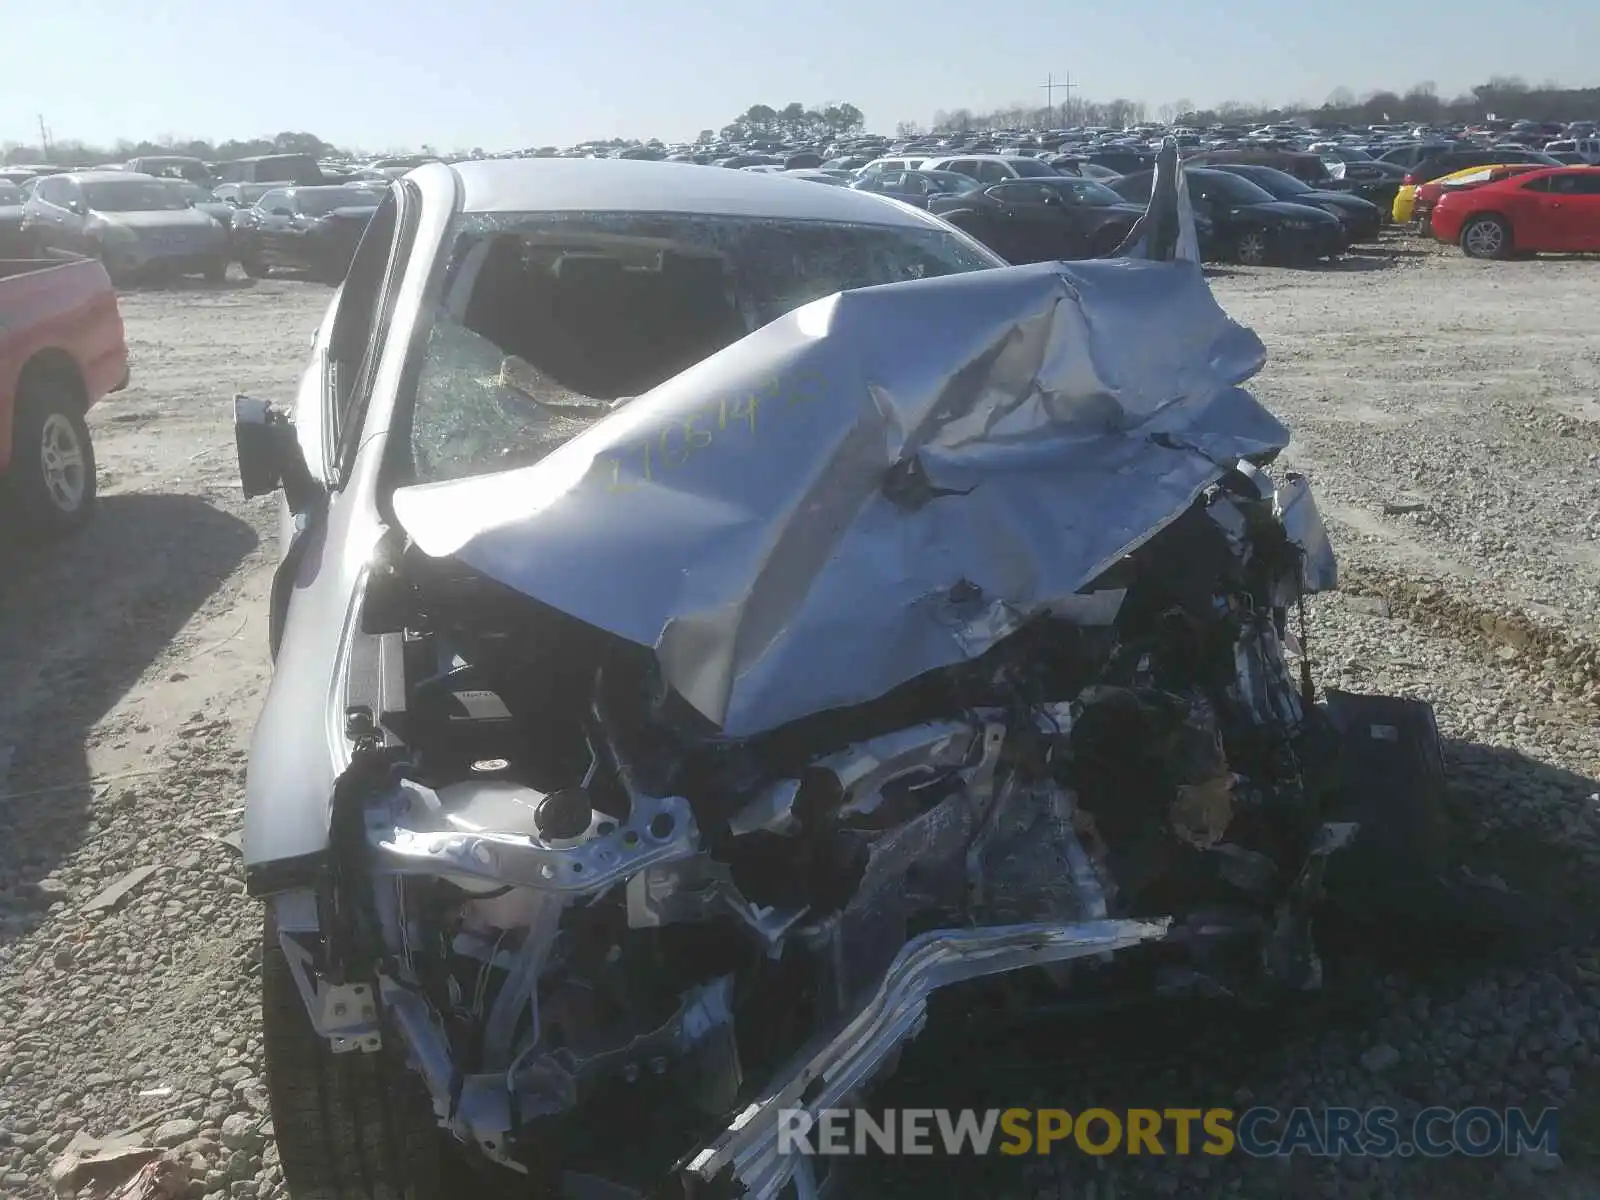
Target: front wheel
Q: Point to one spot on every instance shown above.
(250, 260)
(114, 273)
(1252, 248)
(52, 473)
(1486, 237)
(352, 1126)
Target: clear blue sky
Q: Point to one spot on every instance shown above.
(510, 73)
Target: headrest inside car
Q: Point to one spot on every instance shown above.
(588, 268)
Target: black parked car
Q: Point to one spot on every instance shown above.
(1248, 224)
(1041, 220)
(1362, 219)
(313, 229)
(11, 201)
(1123, 160)
(917, 187)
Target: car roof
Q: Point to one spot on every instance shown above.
(1480, 168)
(1544, 171)
(635, 185)
(1005, 158)
(109, 176)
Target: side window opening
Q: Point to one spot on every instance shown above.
(351, 339)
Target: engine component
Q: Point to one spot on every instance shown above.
(658, 829)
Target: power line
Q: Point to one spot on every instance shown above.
(1050, 85)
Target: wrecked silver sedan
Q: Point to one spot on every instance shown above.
(716, 614)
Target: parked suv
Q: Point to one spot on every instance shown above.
(135, 224)
(301, 169)
(992, 168)
(182, 166)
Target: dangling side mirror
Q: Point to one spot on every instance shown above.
(269, 454)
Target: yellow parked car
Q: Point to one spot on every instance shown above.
(1405, 200)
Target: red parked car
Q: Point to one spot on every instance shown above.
(1428, 194)
(1554, 210)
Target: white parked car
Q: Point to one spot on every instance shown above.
(1586, 148)
(992, 168)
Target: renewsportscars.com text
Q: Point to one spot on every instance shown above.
(1259, 1132)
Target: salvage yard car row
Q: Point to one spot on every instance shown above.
(149, 227)
(1275, 208)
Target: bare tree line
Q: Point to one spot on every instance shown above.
(1506, 97)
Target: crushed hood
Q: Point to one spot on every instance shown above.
(881, 483)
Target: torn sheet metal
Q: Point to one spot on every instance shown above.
(1292, 504)
(847, 498)
(1167, 229)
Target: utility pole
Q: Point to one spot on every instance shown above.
(1050, 85)
(44, 138)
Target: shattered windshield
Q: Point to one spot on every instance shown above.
(547, 319)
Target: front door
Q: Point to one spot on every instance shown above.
(1575, 210)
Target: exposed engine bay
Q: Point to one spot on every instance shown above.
(574, 896)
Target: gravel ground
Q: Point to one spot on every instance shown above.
(1447, 412)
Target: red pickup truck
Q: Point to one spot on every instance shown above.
(61, 350)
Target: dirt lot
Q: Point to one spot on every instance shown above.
(1449, 414)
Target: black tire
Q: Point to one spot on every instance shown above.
(250, 260)
(1392, 784)
(1486, 236)
(1253, 248)
(348, 1126)
(50, 404)
(216, 271)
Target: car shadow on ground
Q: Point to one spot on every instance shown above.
(1348, 265)
(1545, 862)
(80, 621)
(233, 283)
(1389, 252)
